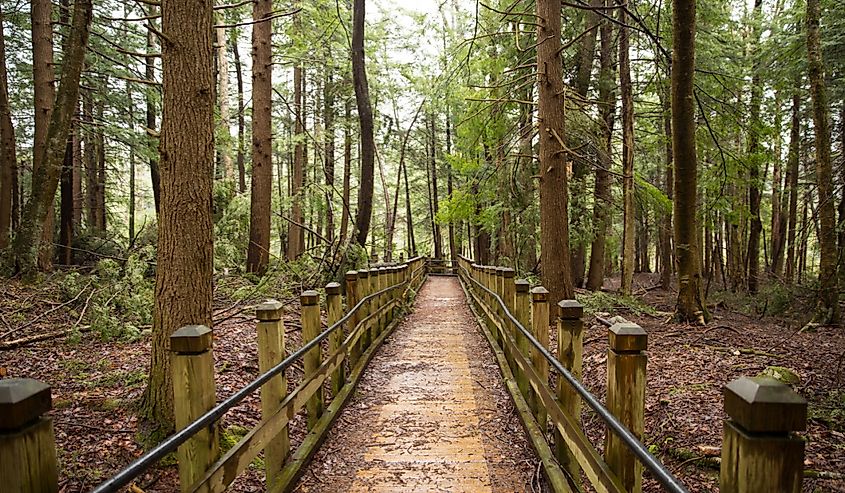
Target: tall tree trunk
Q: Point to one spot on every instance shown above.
(583, 71)
(101, 171)
(409, 218)
(690, 305)
(792, 162)
(224, 145)
(78, 196)
(155, 176)
(27, 244)
(453, 248)
(438, 237)
(827, 311)
(131, 167)
(258, 253)
(778, 218)
(66, 204)
(627, 94)
(241, 118)
(44, 90)
(754, 151)
(295, 232)
(666, 265)
(8, 152)
(841, 222)
(90, 162)
(185, 230)
(328, 167)
(601, 196)
(365, 117)
(347, 169)
(554, 193)
(526, 185)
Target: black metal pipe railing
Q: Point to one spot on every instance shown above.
(663, 476)
(171, 443)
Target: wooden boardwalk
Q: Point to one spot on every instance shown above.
(430, 414)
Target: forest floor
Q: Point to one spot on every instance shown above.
(97, 384)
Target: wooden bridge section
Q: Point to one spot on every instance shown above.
(424, 417)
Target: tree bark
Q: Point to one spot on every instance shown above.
(792, 162)
(258, 253)
(438, 236)
(295, 232)
(666, 265)
(27, 244)
(44, 90)
(185, 230)
(224, 146)
(601, 196)
(155, 176)
(8, 152)
(690, 306)
(626, 91)
(778, 218)
(365, 117)
(329, 166)
(453, 248)
(554, 194)
(754, 150)
(827, 311)
(66, 204)
(101, 171)
(241, 118)
(347, 169)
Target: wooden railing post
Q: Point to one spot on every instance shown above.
(760, 451)
(193, 395)
(366, 308)
(352, 299)
(27, 443)
(540, 329)
(310, 302)
(626, 381)
(570, 353)
(334, 305)
(271, 352)
(522, 312)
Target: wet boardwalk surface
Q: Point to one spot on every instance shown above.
(430, 414)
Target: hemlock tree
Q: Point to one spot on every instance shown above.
(185, 229)
(827, 311)
(258, 252)
(690, 306)
(365, 117)
(554, 218)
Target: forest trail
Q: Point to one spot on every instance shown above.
(431, 413)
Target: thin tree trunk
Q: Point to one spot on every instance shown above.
(185, 231)
(8, 152)
(155, 176)
(27, 244)
(329, 166)
(754, 150)
(66, 204)
(224, 144)
(792, 162)
(453, 248)
(778, 218)
(690, 305)
(666, 265)
(101, 171)
(554, 186)
(258, 253)
(347, 169)
(827, 311)
(131, 167)
(365, 117)
(438, 237)
(601, 196)
(241, 118)
(295, 232)
(626, 91)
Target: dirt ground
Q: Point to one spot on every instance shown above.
(96, 385)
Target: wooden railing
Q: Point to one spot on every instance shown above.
(760, 453)
(375, 299)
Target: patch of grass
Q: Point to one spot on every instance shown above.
(229, 437)
(830, 411)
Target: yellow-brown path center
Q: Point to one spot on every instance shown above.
(429, 415)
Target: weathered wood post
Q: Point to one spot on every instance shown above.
(271, 352)
(570, 351)
(366, 309)
(522, 311)
(760, 451)
(27, 443)
(626, 381)
(334, 305)
(540, 329)
(310, 302)
(352, 299)
(192, 362)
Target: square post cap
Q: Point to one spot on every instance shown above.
(764, 405)
(332, 289)
(522, 286)
(508, 272)
(309, 298)
(539, 294)
(22, 401)
(363, 274)
(269, 310)
(191, 339)
(351, 275)
(627, 337)
(570, 309)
